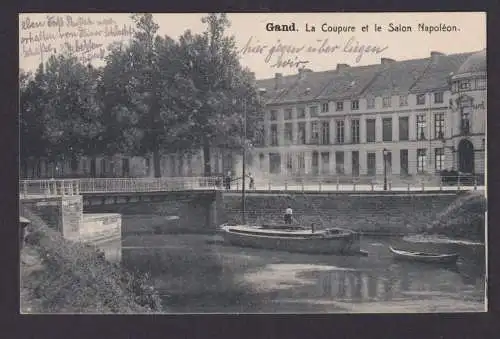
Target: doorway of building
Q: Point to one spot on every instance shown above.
(465, 156)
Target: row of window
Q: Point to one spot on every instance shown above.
(320, 131)
(469, 85)
(371, 162)
(339, 106)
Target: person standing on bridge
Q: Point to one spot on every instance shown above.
(227, 180)
(288, 215)
(251, 184)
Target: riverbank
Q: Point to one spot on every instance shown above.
(60, 276)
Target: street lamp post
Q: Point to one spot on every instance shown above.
(243, 205)
(385, 168)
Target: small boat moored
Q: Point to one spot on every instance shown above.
(424, 257)
(294, 239)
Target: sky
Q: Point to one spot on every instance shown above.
(266, 52)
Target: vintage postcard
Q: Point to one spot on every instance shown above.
(253, 162)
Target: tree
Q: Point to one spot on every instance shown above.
(223, 88)
(33, 145)
(119, 114)
(153, 96)
(146, 99)
(68, 107)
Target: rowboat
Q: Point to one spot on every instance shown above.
(293, 239)
(424, 257)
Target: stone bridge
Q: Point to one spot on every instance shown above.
(197, 209)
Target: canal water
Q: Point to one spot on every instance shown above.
(196, 274)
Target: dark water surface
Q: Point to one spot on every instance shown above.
(194, 274)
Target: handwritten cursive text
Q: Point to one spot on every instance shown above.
(282, 54)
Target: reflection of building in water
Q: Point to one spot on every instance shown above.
(355, 285)
(358, 286)
(382, 286)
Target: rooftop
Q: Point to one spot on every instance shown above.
(349, 82)
(436, 76)
(387, 77)
(397, 77)
(474, 63)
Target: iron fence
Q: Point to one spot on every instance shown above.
(375, 183)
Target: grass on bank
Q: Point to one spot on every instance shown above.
(68, 277)
(463, 219)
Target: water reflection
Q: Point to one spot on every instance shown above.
(385, 285)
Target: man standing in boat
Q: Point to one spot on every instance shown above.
(288, 215)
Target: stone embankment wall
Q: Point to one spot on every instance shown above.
(381, 213)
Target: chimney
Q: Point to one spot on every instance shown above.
(342, 66)
(303, 72)
(386, 61)
(278, 80)
(252, 78)
(435, 55)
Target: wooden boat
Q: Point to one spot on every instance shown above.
(294, 239)
(424, 257)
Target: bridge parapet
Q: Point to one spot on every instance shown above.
(166, 184)
(57, 187)
(49, 188)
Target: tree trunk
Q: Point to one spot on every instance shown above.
(157, 163)
(74, 165)
(111, 166)
(207, 171)
(93, 166)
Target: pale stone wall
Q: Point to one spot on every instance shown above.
(104, 225)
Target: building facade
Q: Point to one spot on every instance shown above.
(413, 117)
(418, 116)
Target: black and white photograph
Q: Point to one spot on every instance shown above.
(242, 163)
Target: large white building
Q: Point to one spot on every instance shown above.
(427, 114)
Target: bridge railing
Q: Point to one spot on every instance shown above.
(365, 183)
(49, 187)
(102, 185)
(89, 185)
